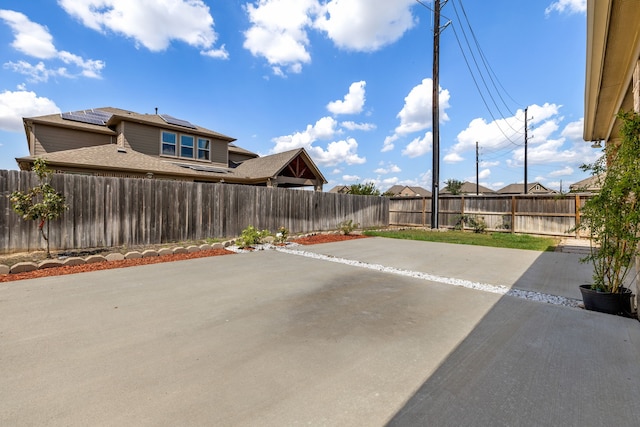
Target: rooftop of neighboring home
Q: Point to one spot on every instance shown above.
(408, 191)
(587, 185)
(532, 188)
(114, 142)
(470, 188)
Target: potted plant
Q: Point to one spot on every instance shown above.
(612, 219)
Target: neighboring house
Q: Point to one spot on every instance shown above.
(407, 191)
(114, 142)
(588, 185)
(471, 188)
(533, 188)
(340, 189)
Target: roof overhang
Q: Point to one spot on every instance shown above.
(613, 49)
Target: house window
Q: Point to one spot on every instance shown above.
(169, 141)
(186, 146)
(204, 149)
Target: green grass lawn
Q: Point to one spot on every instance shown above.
(498, 240)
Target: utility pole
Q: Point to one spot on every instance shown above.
(526, 140)
(477, 173)
(435, 171)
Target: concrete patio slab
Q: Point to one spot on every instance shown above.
(269, 338)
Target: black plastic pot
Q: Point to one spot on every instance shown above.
(606, 302)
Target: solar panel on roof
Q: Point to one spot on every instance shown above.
(178, 122)
(92, 117)
(202, 168)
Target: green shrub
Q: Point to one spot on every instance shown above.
(347, 226)
(473, 221)
(281, 235)
(251, 236)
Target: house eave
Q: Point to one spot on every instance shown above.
(613, 49)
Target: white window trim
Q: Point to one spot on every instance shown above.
(198, 149)
(162, 142)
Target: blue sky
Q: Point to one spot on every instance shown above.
(349, 80)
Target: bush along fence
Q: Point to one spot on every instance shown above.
(554, 215)
(104, 211)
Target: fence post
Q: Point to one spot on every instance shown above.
(577, 215)
(424, 211)
(513, 214)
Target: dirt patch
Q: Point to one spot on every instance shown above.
(59, 271)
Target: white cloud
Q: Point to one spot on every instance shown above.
(424, 181)
(336, 171)
(33, 39)
(387, 182)
(453, 158)
(508, 133)
(36, 73)
(566, 171)
(338, 152)
(350, 178)
(419, 146)
(487, 164)
(353, 101)
(574, 130)
(388, 144)
(365, 25)
(484, 173)
(391, 168)
(568, 6)
(30, 38)
(358, 126)
(152, 24)
(279, 28)
(278, 32)
(416, 115)
(325, 128)
(16, 105)
(554, 151)
(344, 151)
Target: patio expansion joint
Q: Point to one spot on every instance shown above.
(485, 287)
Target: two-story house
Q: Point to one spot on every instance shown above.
(115, 142)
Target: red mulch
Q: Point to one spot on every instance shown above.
(327, 238)
(59, 271)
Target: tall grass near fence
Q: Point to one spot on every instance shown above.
(543, 214)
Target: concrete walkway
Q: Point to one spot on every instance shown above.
(269, 338)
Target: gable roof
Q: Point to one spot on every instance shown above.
(110, 157)
(470, 188)
(533, 188)
(273, 165)
(590, 184)
(418, 191)
(339, 189)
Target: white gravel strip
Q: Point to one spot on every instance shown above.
(496, 289)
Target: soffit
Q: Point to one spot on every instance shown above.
(613, 48)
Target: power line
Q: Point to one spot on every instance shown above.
(475, 61)
(486, 63)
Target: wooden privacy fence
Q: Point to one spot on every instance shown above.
(107, 211)
(530, 214)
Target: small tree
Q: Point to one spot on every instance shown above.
(41, 202)
(366, 189)
(612, 216)
(454, 186)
